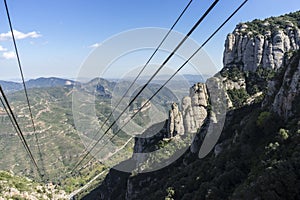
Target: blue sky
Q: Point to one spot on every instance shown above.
(55, 36)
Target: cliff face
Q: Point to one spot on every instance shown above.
(255, 52)
(261, 43)
(284, 91)
(258, 49)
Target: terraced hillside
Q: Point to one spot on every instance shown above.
(64, 129)
(60, 143)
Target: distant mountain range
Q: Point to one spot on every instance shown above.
(11, 86)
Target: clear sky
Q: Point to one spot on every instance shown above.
(55, 36)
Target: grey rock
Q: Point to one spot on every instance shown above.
(289, 90)
(267, 49)
(259, 49)
(175, 126)
(268, 61)
(198, 94)
(193, 112)
(280, 45)
(188, 115)
(249, 58)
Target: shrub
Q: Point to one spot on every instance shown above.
(238, 97)
(272, 146)
(232, 73)
(17, 197)
(262, 119)
(170, 193)
(284, 134)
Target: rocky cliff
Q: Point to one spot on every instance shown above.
(193, 113)
(262, 43)
(258, 60)
(284, 90)
(254, 53)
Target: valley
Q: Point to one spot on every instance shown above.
(234, 135)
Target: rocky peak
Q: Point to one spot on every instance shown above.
(254, 53)
(261, 43)
(193, 112)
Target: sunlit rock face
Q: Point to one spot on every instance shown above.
(265, 48)
(193, 112)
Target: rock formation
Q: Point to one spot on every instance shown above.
(289, 89)
(175, 122)
(193, 112)
(251, 48)
(240, 142)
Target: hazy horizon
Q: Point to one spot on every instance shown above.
(58, 42)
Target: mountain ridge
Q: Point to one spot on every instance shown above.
(10, 86)
(257, 155)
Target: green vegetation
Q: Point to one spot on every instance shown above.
(256, 149)
(258, 81)
(238, 97)
(60, 143)
(255, 82)
(284, 134)
(263, 119)
(260, 156)
(22, 184)
(71, 182)
(232, 73)
(273, 23)
(260, 152)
